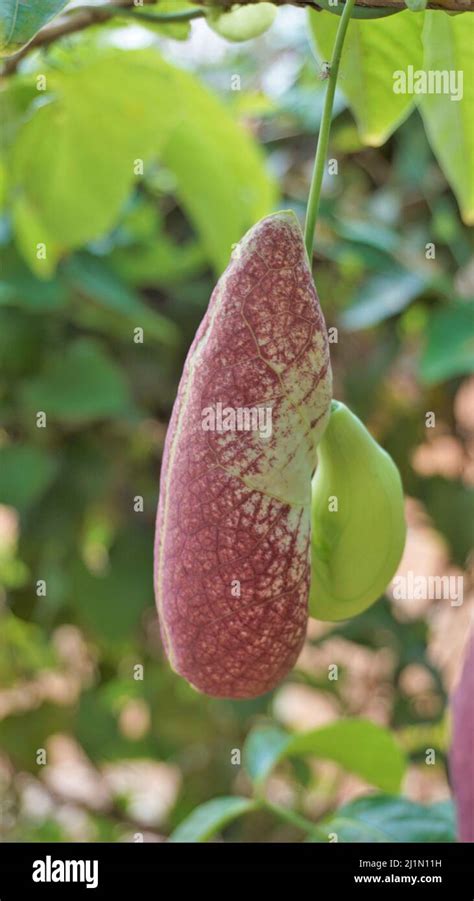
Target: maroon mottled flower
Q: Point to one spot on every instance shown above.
(461, 757)
(232, 564)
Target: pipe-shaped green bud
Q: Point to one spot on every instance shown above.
(358, 525)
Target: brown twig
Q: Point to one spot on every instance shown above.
(77, 20)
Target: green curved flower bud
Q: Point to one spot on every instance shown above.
(242, 22)
(358, 525)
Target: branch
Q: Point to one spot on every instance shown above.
(86, 16)
(451, 5)
(459, 6)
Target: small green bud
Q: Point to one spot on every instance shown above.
(242, 22)
(358, 525)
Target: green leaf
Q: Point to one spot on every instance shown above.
(358, 745)
(374, 234)
(210, 818)
(38, 249)
(144, 253)
(262, 750)
(81, 384)
(74, 160)
(220, 171)
(382, 818)
(160, 261)
(16, 97)
(373, 52)
(448, 43)
(382, 296)
(449, 349)
(416, 6)
(74, 163)
(20, 20)
(25, 474)
(93, 278)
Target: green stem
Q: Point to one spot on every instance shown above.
(289, 816)
(184, 15)
(323, 137)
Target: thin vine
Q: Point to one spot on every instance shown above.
(323, 137)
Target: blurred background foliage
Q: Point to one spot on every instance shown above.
(137, 164)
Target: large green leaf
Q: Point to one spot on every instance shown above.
(210, 818)
(82, 384)
(372, 52)
(220, 172)
(16, 97)
(358, 745)
(448, 43)
(449, 349)
(74, 160)
(382, 818)
(21, 19)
